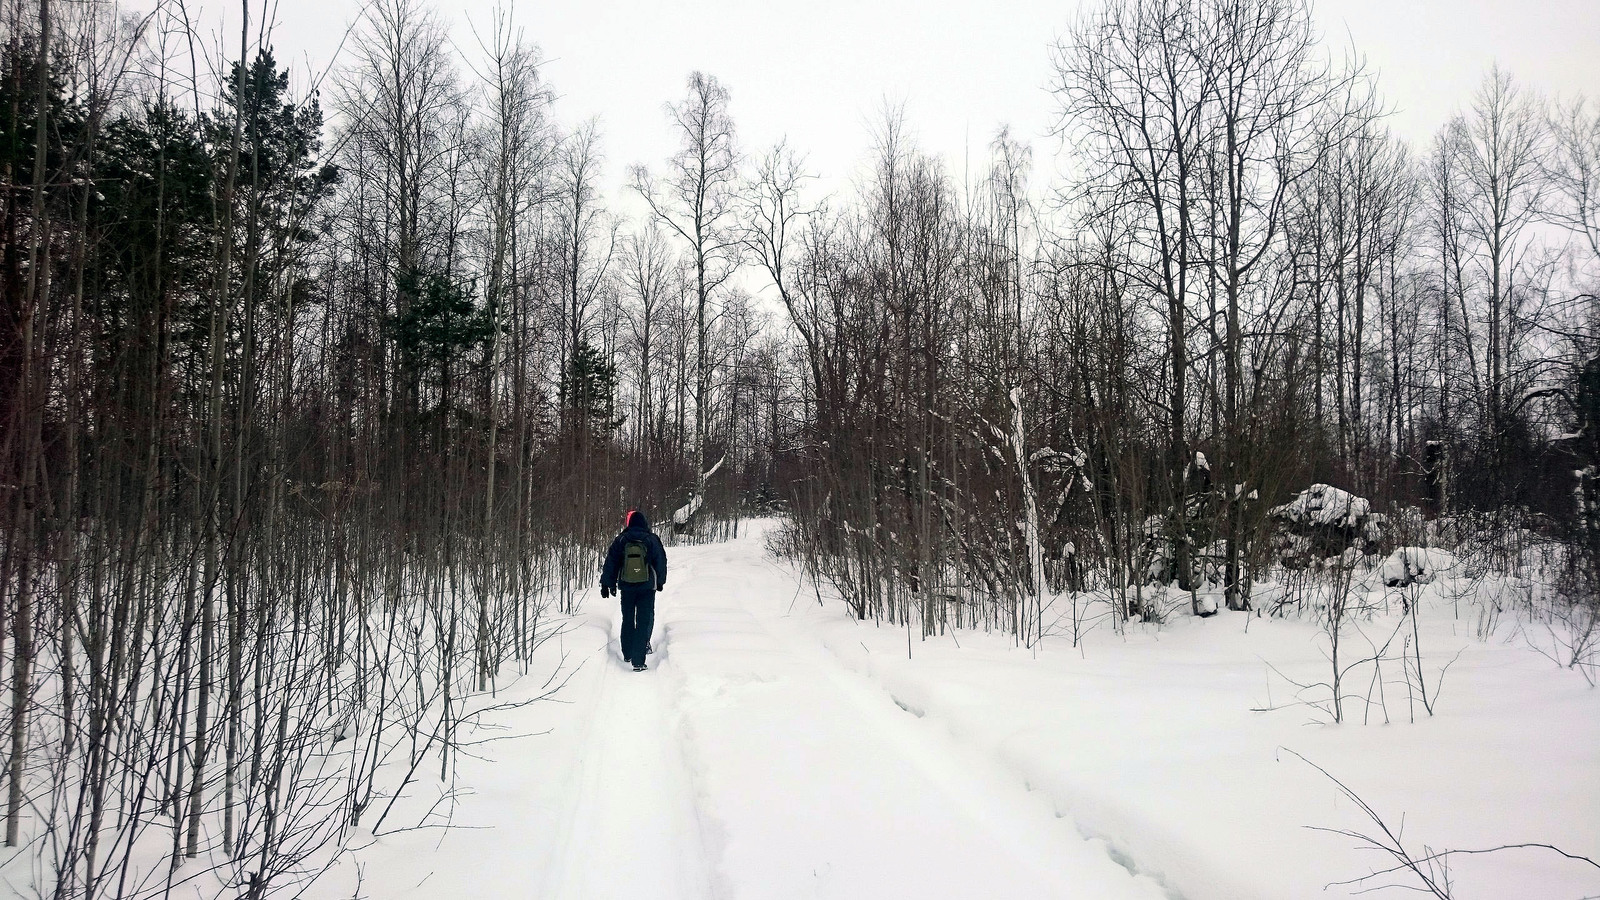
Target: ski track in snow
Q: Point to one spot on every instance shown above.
(630, 829)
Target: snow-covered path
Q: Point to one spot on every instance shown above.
(777, 749)
(747, 762)
(816, 784)
(630, 828)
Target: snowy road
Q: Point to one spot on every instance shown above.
(749, 763)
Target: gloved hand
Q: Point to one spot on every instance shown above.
(605, 591)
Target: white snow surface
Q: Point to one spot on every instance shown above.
(778, 749)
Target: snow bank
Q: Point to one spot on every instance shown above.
(1153, 744)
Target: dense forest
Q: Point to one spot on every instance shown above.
(318, 400)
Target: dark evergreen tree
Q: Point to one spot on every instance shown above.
(589, 385)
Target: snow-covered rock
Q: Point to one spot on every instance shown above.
(1323, 522)
(1415, 565)
(1324, 504)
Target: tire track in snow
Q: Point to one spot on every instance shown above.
(826, 788)
(950, 760)
(1066, 803)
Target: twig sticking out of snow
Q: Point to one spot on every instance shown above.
(1432, 868)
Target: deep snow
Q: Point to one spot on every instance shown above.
(779, 749)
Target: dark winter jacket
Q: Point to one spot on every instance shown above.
(638, 529)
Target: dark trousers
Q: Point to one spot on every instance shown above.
(638, 620)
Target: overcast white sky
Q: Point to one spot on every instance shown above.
(821, 71)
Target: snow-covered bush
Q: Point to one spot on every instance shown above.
(1415, 565)
(1158, 551)
(1411, 526)
(1324, 522)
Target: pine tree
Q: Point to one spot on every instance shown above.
(590, 386)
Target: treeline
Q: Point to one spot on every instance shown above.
(1248, 285)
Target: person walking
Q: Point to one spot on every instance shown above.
(636, 567)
